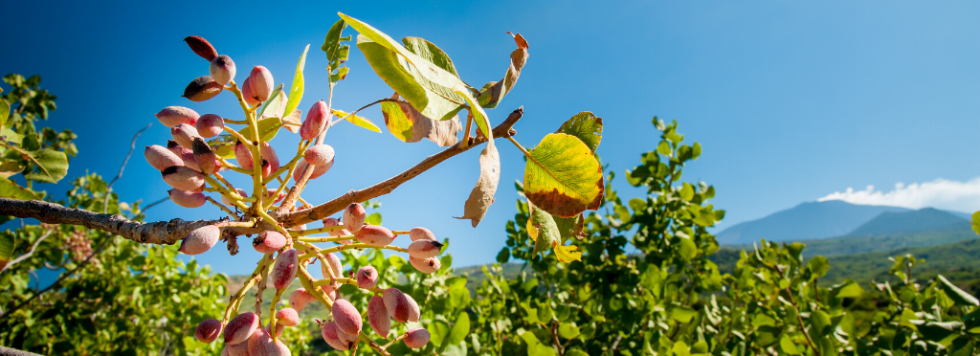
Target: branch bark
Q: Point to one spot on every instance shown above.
(169, 232)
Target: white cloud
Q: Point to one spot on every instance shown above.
(940, 194)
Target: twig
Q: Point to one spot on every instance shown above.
(155, 203)
(29, 252)
(60, 278)
(108, 189)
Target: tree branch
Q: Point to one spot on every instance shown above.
(108, 189)
(505, 129)
(169, 232)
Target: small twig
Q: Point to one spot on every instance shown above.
(222, 206)
(155, 203)
(29, 252)
(61, 278)
(108, 189)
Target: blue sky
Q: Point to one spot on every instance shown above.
(791, 101)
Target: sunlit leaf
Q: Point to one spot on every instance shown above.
(586, 126)
(459, 330)
(293, 121)
(4, 112)
(52, 165)
(9, 189)
(357, 120)
(268, 127)
(6, 246)
(9, 168)
(409, 125)
(548, 236)
(568, 253)
(958, 295)
(276, 105)
(336, 53)
(563, 177)
(430, 52)
(296, 91)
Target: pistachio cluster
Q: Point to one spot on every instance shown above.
(193, 166)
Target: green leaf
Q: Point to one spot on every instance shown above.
(9, 189)
(460, 329)
(547, 231)
(687, 249)
(296, 91)
(430, 52)
(9, 168)
(563, 177)
(30, 142)
(819, 266)
(268, 127)
(850, 289)
(53, 165)
(6, 245)
(4, 112)
(275, 106)
(409, 125)
(568, 331)
(958, 295)
(10, 135)
(336, 53)
(586, 126)
(683, 314)
(373, 219)
(975, 222)
(357, 120)
(788, 346)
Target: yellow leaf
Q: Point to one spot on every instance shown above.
(568, 253)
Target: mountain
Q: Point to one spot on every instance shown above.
(909, 222)
(807, 221)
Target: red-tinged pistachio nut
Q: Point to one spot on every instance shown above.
(240, 328)
(202, 47)
(374, 235)
(347, 317)
(317, 170)
(334, 263)
(202, 88)
(204, 157)
(270, 192)
(261, 83)
(222, 69)
(161, 158)
(200, 240)
(401, 307)
(328, 222)
(189, 161)
(287, 317)
(316, 121)
(331, 335)
(183, 178)
(209, 125)
(175, 115)
(184, 134)
(269, 154)
(427, 265)
(207, 331)
(279, 329)
(378, 316)
(239, 349)
(176, 148)
(421, 233)
(268, 242)
(187, 199)
(299, 299)
(319, 155)
(417, 338)
(367, 277)
(285, 268)
(266, 169)
(250, 98)
(424, 249)
(243, 156)
(261, 343)
(240, 192)
(354, 217)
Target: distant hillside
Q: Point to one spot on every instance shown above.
(807, 221)
(906, 222)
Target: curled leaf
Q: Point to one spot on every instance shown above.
(482, 195)
(493, 92)
(586, 126)
(568, 253)
(357, 120)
